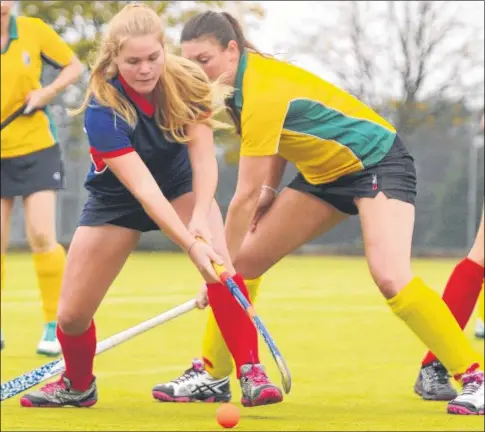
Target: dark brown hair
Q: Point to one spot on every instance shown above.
(220, 25)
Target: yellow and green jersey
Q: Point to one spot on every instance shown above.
(32, 43)
(323, 130)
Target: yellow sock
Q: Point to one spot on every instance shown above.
(2, 271)
(427, 315)
(481, 306)
(49, 267)
(217, 358)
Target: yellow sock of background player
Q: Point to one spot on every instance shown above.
(49, 267)
(427, 315)
(217, 358)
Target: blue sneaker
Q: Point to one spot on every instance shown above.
(49, 345)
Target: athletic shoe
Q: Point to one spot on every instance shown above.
(195, 384)
(433, 383)
(49, 345)
(470, 400)
(479, 329)
(60, 393)
(256, 387)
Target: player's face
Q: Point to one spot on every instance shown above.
(140, 62)
(213, 58)
(6, 10)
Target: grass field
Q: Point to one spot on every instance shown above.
(353, 363)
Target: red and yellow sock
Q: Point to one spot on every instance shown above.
(427, 315)
(461, 294)
(239, 332)
(217, 358)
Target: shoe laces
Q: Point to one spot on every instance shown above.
(439, 373)
(52, 387)
(195, 370)
(256, 376)
(472, 382)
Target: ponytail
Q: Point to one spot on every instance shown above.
(241, 40)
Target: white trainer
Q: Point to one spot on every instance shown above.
(49, 345)
(195, 384)
(471, 399)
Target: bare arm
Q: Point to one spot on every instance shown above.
(252, 174)
(68, 75)
(275, 173)
(204, 166)
(136, 177)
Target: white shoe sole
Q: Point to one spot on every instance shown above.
(48, 348)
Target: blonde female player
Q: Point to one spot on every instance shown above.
(350, 161)
(31, 166)
(461, 294)
(141, 106)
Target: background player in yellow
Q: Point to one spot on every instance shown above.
(350, 161)
(31, 166)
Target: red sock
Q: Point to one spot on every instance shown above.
(236, 327)
(78, 352)
(461, 294)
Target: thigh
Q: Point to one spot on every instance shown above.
(294, 219)
(96, 256)
(387, 229)
(477, 251)
(5, 217)
(40, 218)
(184, 206)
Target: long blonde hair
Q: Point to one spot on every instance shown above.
(184, 93)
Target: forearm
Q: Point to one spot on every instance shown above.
(204, 181)
(275, 173)
(68, 75)
(163, 214)
(238, 220)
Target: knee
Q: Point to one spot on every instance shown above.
(248, 267)
(72, 322)
(476, 254)
(41, 241)
(391, 280)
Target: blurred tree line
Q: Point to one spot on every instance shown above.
(420, 64)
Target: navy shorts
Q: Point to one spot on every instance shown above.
(128, 213)
(394, 175)
(38, 171)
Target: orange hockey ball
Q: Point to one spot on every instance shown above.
(228, 415)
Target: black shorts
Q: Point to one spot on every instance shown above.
(34, 172)
(395, 176)
(128, 213)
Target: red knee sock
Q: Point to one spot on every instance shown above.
(236, 328)
(461, 294)
(78, 352)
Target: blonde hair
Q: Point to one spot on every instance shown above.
(184, 93)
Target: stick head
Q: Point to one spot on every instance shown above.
(285, 374)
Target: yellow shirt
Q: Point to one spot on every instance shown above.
(31, 44)
(324, 131)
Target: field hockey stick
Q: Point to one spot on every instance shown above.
(18, 385)
(23, 110)
(228, 281)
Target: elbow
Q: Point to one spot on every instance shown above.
(247, 198)
(77, 68)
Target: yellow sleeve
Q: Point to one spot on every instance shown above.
(54, 50)
(261, 126)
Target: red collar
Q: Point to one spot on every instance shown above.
(141, 101)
